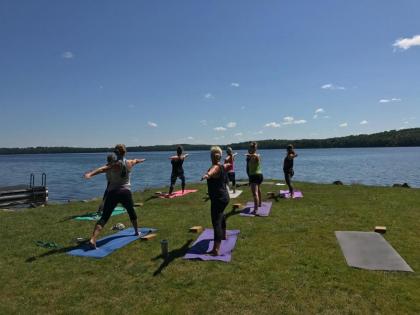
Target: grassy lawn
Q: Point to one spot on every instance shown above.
(287, 263)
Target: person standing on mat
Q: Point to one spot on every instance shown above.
(177, 162)
(110, 160)
(254, 171)
(118, 190)
(288, 167)
(230, 161)
(219, 197)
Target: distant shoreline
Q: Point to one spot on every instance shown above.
(393, 138)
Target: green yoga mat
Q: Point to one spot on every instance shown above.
(93, 216)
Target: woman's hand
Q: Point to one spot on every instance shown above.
(87, 175)
(205, 176)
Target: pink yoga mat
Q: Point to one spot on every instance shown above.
(286, 194)
(178, 194)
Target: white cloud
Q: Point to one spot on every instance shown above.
(219, 129)
(364, 122)
(317, 112)
(67, 55)
(232, 124)
(190, 138)
(288, 120)
(243, 107)
(203, 122)
(152, 124)
(209, 96)
(406, 43)
(390, 100)
(330, 86)
(238, 134)
(272, 125)
(234, 84)
(343, 125)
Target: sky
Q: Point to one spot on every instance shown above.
(96, 73)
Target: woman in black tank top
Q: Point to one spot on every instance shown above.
(177, 162)
(219, 198)
(288, 168)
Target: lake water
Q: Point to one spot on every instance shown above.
(372, 166)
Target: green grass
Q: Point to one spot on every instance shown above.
(287, 263)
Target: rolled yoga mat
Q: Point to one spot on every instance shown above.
(369, 250)
(178, 193)
(263, 211)
(286, 194)
(93, 216)
(110, 243)
(204, 244)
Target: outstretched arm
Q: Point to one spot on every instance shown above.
(99, 170)
(213, 171)
(135, 161)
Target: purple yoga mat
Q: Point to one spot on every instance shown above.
(263, 211)
(204, 244)
(286, 194)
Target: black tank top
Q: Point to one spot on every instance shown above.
(177, 168)
(217, 187)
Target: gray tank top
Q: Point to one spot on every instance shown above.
(117, 179)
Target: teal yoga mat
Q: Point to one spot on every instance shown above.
(93, 216)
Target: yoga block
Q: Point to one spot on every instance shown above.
(196, 229)
(138, 204)
(148, 237)
(237, 206)
(380, 229)
(158, 193)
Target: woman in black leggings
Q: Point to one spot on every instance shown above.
(219, 197)
(118, 190)
(177, 162)
(288, 168)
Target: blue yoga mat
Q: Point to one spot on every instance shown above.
(110, 243)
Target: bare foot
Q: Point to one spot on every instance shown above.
(92, 244)
(213, 252)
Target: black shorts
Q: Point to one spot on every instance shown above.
(289, 172)
(256, 179)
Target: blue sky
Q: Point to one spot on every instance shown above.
(96, 73)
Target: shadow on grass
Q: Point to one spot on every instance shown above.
(54, 251)
(172, 255)
(150, 198)
(232, 213)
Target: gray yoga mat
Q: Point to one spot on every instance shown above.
(369, 250)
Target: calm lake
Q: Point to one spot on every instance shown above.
(372, 166)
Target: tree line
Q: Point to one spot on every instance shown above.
(393, 138)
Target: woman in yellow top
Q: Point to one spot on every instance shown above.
(254, 171)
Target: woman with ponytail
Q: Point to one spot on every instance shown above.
(118, 191)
